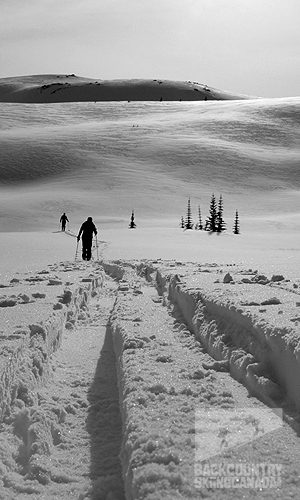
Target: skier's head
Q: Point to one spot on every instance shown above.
(90, 219)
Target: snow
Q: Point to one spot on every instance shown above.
(73, 88)
(106, 364)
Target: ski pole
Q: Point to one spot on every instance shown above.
(97, 248)
(76, 253)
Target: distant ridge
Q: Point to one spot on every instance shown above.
(72, 88)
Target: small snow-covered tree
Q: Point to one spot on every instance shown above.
(182, 225)
(200, 224)
(188, 220)
(132, 224)
(236, 227)
(213, 214)
(220, 224)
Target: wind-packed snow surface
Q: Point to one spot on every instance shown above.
(106, 159)
(118, 376)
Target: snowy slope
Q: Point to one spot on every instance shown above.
(106, 159)
(71, 88)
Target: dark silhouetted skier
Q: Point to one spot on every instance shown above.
(87, 230)
(64, 219)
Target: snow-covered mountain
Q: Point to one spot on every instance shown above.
(73, 88)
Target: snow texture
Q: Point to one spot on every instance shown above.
(176, 336)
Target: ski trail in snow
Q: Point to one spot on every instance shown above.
(104, 423)
(66, 440)
(83, 446)
(87, 378)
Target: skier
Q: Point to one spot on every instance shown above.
(63, 221)
(87, 229)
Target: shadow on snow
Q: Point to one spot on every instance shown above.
(104, 424)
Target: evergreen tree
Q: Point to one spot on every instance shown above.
(132, 224)
(189, 221)
(236, 227)
(182, 225)
(200, 225)
(212, 218)
(220, 221)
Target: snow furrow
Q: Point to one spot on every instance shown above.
(162, 381)
(47, 373)
(167, 377)
(260, 353)
(25, 352)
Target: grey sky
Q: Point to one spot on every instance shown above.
(247, 46)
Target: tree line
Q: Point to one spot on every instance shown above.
(214, 222)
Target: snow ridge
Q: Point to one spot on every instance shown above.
(259, 344)
(71, 88)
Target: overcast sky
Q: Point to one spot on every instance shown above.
(246, 46)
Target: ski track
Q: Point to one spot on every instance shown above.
(83, 393)
(116, 418)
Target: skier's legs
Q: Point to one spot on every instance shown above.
(89, 252)
(86, 248)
